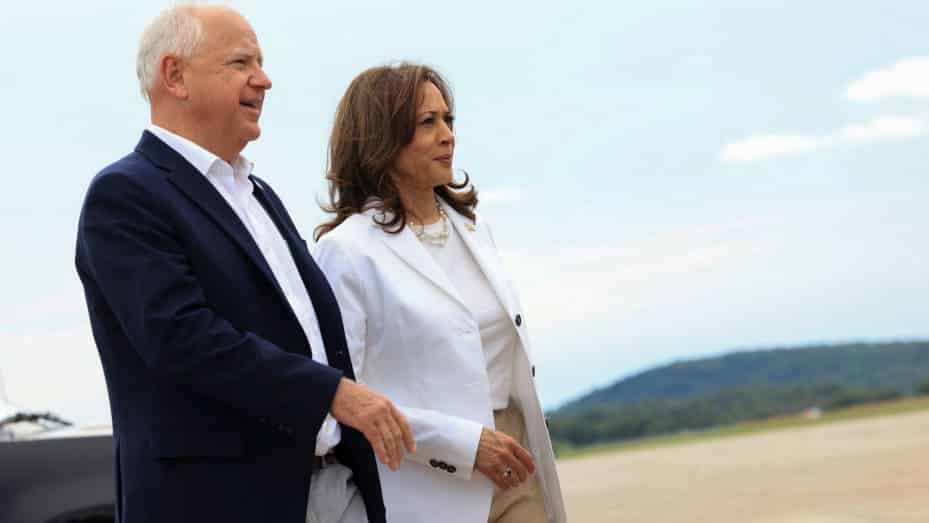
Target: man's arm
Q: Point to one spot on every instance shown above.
(132, 253)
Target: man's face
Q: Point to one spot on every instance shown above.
(226, 83)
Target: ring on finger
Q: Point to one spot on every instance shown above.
(507, 472)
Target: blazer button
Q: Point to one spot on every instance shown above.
(533, 371)
(434, 463)
(451, 469)
(518, 320)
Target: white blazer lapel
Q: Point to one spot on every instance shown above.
(470, 232)
(407, 246)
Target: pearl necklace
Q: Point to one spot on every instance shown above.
(439, 238)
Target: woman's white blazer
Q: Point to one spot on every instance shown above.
(412, 338)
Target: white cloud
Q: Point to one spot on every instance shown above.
(762, 146)
(610, 282)
(908, 77)
(501, 195)
(759, 147)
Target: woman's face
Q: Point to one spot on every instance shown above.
(426, 161)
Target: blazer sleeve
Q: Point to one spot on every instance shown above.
(130, 249)
(446, 444)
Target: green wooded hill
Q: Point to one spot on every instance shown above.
(698, 394)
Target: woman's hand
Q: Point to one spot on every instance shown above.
(502, 459)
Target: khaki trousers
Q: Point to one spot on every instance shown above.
(523, 503)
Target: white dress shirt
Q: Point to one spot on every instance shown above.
(236, 188)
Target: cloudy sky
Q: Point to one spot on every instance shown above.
(666, 179)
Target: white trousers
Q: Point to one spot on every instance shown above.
(334, 497)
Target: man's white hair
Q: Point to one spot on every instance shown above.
(177, 30)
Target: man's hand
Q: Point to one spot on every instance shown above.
(502, 459)
(377, 418)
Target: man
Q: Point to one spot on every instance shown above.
(213, 324)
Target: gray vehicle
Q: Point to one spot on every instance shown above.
(53, 472)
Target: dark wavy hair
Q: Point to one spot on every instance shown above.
(375, 119)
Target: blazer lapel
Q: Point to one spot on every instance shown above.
(199, 190)
(323, 300)
(486, 261)
(407, 246)
(260, 194)
(491, 268)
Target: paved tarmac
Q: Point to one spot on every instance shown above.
(874, 470)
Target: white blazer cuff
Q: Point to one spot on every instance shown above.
(446, 444)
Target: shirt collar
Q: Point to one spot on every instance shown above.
(204, 161)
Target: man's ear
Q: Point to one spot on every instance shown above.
(171, 74)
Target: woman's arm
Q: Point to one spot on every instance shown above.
(446, 444)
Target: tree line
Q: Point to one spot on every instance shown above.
(644, 418)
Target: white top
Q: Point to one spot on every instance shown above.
(236, 188)
(498, 337)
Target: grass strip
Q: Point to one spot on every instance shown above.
(869, 410)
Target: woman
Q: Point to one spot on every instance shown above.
(430, 318)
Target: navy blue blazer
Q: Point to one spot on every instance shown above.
(215, 399)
